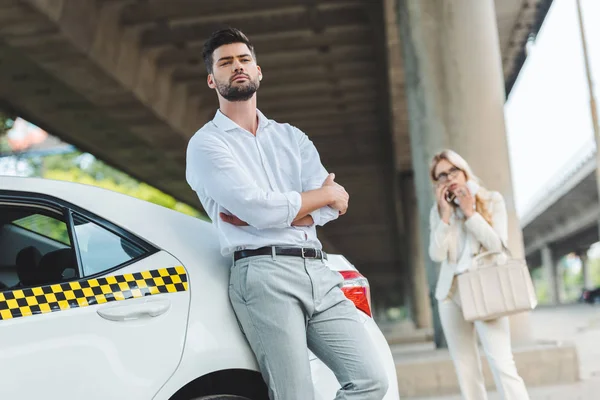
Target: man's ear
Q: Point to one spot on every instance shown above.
(211, 81)
(260, 75)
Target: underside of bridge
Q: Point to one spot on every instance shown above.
(124, 80)
(565, 218)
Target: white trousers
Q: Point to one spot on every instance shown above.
(495, 340)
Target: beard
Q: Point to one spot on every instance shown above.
(238, 92)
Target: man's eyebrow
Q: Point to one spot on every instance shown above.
(231, 57)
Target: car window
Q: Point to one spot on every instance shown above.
(101, 249)
(49, 227)
(35, 247)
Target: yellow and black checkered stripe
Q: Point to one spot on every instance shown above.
(84, 293)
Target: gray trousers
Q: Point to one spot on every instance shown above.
(287, 305)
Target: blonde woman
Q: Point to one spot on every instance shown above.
(465, 220)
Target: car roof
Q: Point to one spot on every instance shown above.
(148, 220)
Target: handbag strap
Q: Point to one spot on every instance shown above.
(480, 255)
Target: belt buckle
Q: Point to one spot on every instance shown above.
(305, 250)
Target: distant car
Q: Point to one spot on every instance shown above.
(591, 296)
(103, 296)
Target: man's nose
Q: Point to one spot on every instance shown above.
(237, 66)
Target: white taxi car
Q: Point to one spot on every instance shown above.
(104, 296)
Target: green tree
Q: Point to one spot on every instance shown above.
(67, 167)
(5, 124)
(84, 168)
(541, 285)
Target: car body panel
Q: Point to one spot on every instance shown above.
(212, 340)
(76, 354)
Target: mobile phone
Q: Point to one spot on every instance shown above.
(449, 196)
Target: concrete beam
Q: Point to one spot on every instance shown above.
(180, 10)
(573, 225)
(279, 45)
(312, 102)
(96, 33)
(327, 112)
(543, 202)
(580, 241)
(339, 105)
(292, 76)
(285, 22)
(365, 120)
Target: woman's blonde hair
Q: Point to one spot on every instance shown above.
(455, 159)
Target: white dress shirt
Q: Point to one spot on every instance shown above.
(258, 179)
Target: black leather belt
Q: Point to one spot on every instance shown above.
(304, 252)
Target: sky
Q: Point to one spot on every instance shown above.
(547, 113)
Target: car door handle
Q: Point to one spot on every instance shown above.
(135, 311)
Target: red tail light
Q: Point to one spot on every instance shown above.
(356, 288)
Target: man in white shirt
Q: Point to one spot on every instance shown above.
(265, 189)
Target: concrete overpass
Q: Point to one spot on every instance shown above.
(564, 217)
(124, 80)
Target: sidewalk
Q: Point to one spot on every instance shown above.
(578, 324)
(584, 390)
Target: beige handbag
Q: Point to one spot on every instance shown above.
(496, 285)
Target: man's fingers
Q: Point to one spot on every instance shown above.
(227, 218)
(232, 219)
(329, 180)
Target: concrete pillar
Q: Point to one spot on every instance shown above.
(455, 91)
(420, 299)
(585, 269)
(559, 281)
(550, 274)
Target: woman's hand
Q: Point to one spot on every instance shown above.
(444, 208)
(466, 201)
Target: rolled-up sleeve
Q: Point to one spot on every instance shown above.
(211, 168)
(491, 237)
(313, 176)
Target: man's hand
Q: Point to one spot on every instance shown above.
(339, 194)
(233, 220)
(304, 221)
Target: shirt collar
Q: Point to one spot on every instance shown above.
(223, 122)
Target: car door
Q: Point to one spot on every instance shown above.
(105, 317)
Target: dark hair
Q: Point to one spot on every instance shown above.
(221, 38)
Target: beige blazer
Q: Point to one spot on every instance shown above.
(443, 238)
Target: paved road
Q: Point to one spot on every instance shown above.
(579, 324)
